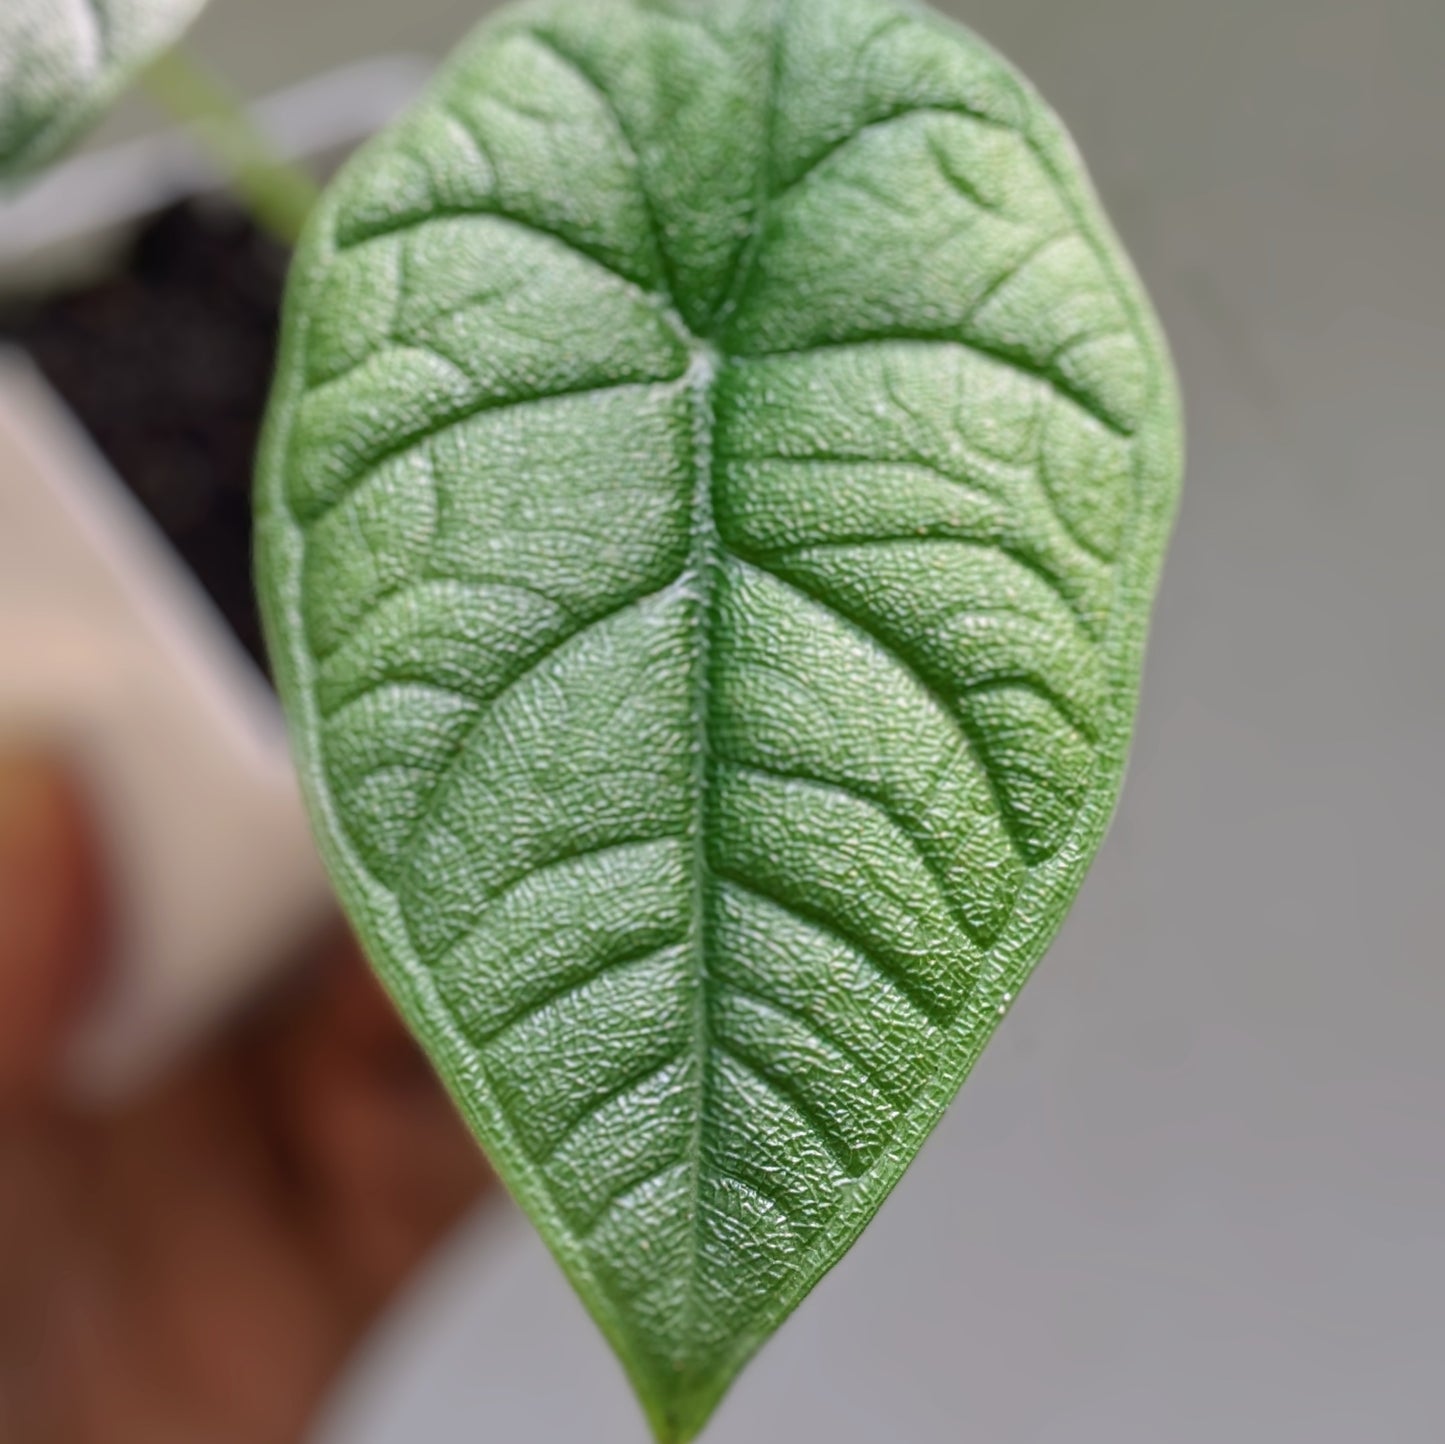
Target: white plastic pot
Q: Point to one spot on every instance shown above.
(111, 652)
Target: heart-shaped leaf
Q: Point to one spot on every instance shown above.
(716, 481)
(62, 60)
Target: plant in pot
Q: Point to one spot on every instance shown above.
(715, 478)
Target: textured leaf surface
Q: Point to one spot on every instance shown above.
(714, 489)
(61, 60)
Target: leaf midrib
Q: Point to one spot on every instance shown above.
(708, 356)
(707, 552)
(705, 556)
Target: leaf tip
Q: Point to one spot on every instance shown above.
(680, 1404)
(677, 1421)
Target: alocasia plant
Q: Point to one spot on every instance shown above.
(62, 60)
(714, 488)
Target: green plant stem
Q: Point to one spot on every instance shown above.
(278, 194)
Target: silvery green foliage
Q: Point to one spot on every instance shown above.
(61, 62)
(712, 500)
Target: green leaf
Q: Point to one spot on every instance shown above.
(61, 61)
(715, 484)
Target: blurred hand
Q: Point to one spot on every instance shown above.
(193, 1268)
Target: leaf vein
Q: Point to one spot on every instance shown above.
(529, 874)
(954, 713)
(904, 828)
(570, 986)
(885, 122)
(449, 421)
(819, 1034)
(429, 806)
(629, 1084)
(1007, 356)
(818, 921)
(769, 1196)
(785, 1089)
(614, 1200)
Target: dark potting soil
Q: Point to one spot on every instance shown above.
(166, 362)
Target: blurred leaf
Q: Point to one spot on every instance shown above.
(715, 485)
(63, 61)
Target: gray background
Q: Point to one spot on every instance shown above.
(1195, 1191)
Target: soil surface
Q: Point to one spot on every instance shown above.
(166, 362)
